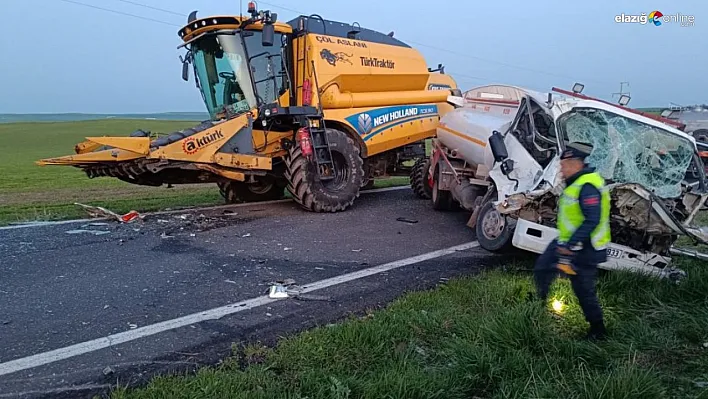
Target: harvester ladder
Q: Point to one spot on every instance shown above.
(320, 147)
(301, 68)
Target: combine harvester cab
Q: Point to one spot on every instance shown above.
(497, 156)
(320, 107)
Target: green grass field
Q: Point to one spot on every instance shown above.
(31, 192)
(481, 337)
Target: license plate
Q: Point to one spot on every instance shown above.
(614, 253)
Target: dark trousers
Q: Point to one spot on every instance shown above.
(583, 283)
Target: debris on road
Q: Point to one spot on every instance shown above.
(406, 220)
(165, 235)
(108, 371)
(277, 291)
(98, 211)
(288, 289)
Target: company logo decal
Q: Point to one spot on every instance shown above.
(364, 123)
(333, 58)
(434, 86)
(191, 145)
(343, 42)
(368, 122)
(655, 17)
(377, 62)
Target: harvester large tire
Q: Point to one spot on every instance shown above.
(235, 192)
(419, 179)
(333, 195)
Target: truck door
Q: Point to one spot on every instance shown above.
(527, 171)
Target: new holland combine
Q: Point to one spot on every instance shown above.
(317, 106)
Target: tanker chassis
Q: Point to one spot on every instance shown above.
(497, 156)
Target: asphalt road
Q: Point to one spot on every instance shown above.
(59, 289)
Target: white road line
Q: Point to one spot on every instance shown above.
(56, 355)
(211, 208)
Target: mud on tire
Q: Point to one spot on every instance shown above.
(419, 179)
(333, 195)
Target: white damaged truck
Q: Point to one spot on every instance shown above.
(497, 156)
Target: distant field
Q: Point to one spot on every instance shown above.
(32, 192)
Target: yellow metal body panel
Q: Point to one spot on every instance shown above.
(243, 161)
(139, 145)
(112, 155)
(86, 146)
(399, 101)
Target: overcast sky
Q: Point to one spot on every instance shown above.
(58, 56)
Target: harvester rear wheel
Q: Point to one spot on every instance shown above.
(264, 190)
(419, 179)
(332, 195)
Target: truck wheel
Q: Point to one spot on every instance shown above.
(332, 195)
(263, 190)
(442, 199)
(492, 229)
(419, 179)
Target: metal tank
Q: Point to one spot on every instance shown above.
(465, 130)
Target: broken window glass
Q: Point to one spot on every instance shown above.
(629, 151)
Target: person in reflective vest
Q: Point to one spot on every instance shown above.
(584, 233)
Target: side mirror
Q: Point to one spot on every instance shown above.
(499, 151)
(665, 113)
(268, 35)
(624, 100)
(578, 88)
(185, 71)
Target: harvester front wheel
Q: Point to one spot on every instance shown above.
(332, 195)
(419, 179)
(263, 190)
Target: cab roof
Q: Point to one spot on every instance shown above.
(319, 26)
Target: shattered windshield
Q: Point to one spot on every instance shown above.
(222, 70)
(629, 151)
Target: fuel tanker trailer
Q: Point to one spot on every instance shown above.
(497, 156)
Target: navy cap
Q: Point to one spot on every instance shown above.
(576, 150)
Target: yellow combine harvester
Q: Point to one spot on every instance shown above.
(317, 106)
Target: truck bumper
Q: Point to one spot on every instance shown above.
(534, 237)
